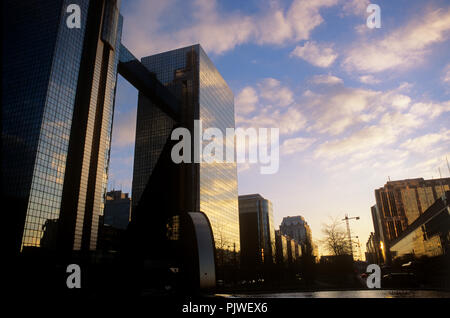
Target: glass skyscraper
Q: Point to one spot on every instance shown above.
(58, 88)
(204, 95)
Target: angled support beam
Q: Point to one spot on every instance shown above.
(147, 83)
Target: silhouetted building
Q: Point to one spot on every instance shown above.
(294, 250)
(57, 105)
(257, 231)
(401, 202)
(373, 250)
(117, 209)
(208, 187)
(298, 229)
(281, 248)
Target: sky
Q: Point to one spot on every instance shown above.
(355, 106)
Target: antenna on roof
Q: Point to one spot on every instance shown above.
(440, 181)
(448, 167)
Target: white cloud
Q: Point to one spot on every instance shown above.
(288, 120)
(425, 142)
(391, 128)
(246, 100)
(150, 28)
(403, 47)
(368, 79)
(272, 106)
(294, 145)
(337, 109)
(356, 7)
(321, 55)
(430, 109)
(272, 90)
(326, 79)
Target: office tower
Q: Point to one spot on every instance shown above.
(257, 230)
(281, 249)
(298, 229)
(58, 88)
(401, 202)
(207, 187)
(117, 209)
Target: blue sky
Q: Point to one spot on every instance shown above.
(354, 105)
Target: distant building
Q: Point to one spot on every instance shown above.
(298, 229)
(315, 252)
(257, 230)
(373, 250)
(117, 209)
(401, 202)
(281, 248)
(294, 250)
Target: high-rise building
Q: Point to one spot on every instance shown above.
(117, 209)
(400, 203)
(257, 230)
(298, 229)
(203, 95)
(58, 87)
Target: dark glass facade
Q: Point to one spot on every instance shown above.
(257, 230)
(428, 236)
(203, 94)
(401, 202)
(58, 96)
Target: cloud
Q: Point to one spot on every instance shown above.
(425, 142)
(124, 130)
(334, 109)
(294, 145)
(403, 48)
(149, 25)
(355, 7)
(430, 109)
(289, 120)
(321, 55)
(326, 79)
(446, 74)
(340, 107)
(391, 127)
(272, 90)
(246, 100)
(368, 79)
(272, 106)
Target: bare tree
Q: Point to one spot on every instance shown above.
(335, 241)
